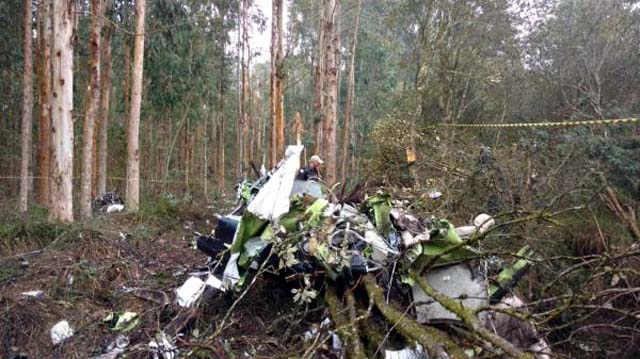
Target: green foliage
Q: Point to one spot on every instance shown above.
(28, 232)
(164, 207)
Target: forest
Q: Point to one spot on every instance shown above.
(477, 191)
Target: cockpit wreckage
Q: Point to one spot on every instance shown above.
(389, 279)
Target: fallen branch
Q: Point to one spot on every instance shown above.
(356, 343)
(625, 213)
(437, 343)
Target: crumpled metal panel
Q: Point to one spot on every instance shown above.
(455, 281)
(273, 199)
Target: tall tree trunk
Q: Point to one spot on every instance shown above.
(205, 159)
(105, 106)
(220, 136)
(298, 128)
(280, 78)
(61, 205)
(273, 90)
(330, 90)
(45, 103)
(239, 72)
(348, 107)
(250, 112)
(127, 75)
(27, 109)
(133, 138)
(318, 76)
(91, 113)
(258, 123)
(245, 142)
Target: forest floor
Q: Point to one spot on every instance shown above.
(132, 263)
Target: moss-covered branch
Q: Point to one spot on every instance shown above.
(470, 320)
(437, 343)
(356, 344)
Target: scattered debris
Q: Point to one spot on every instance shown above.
(115, 208)
(190, 292)
(214, 282)
(115, 348)
(308, 234)
(435, 194)
(122, 322)
(406, 353)
(15, 353)
(109, 202)
(61, 332)
(162, 348)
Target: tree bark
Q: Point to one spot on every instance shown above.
(127, 75)
(280, 78)
(318, 76)
(45, 103)
(298, 128)
(330, 81)
(133, 138)
(239, 72)
(244, 98)
(220, 138)
(61, 205)
(105, 106)
(348, 107)
(27, 110)
(91, 113)
(274, 92)
(258, 119)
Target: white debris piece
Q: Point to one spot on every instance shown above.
(483, 222)
(61, 332)
(380, 249)
(466, 231)
(435, 194)
(214, 282)
(36, 294)
(231, 274)
(273, 199)
(161, 348)
(190, 292)
(406, 353)
(409, 240)
(541, 349)
(113, 208)
(114, 348)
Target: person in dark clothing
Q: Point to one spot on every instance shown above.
(311, 171)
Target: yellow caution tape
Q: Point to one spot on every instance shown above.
(543, 124)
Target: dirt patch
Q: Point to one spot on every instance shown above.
(122, 263)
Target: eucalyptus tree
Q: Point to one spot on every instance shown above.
(61, 205)
(91, 113)
(27, 109)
